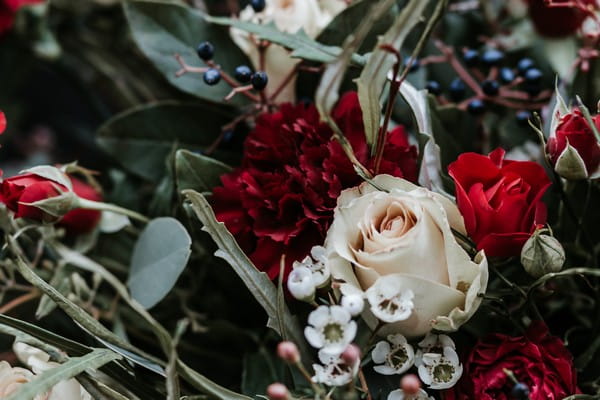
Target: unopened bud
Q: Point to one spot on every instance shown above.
(288, 352)
(570, 165)
(351, 354)
(300, 284)
(542, 254)
(410, 384)
(354, 303)
(278, 391)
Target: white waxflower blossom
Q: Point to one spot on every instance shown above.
(317, 264)
(301, 285)
(331, 329)
(399, 394)
(389, 301)
(352, 300)
(394, 354)
(334, 371)
(437, 361)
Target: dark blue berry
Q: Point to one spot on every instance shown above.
(533, 75)
(260, 80)
(490, 87)
(525, 64)
(243, 73)
(206, 51)
(457, 89)
(258, 5)
(476, 107)
(523, 117)
(212, 76)
(507, 75)
(492, 57)
(520, 391)
(434, 87)
(471, 57)
(414, 65)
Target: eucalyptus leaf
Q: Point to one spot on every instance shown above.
(142, 138)
(73, 367)
(159, 257)
(257, 282)
(198, 172)
(163, 29)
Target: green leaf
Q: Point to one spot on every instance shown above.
(198, 172)
(49, 378)
(142, 138)
(300, 43)
(60, 281)
(374, 75)
(159, 257)
(162, 29)
(257, 282)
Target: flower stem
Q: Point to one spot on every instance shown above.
(99, 206)
(318, 389)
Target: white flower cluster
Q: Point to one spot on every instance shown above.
(308, 275)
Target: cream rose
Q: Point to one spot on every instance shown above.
(396, 245)
(12, 378)
(288, 16)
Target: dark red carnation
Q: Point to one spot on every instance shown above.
(18, 191)
(558, 21)
(281, 200)
(8, 10)
(500, 200)
(538, 359)
(574, 129)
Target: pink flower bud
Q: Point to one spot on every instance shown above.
(410, 384)
(277, 391)
(288, 352)
(351, 355)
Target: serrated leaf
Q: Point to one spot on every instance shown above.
(162, 29)
(73, 367)
(159, 257)
(257, 282)
(300, 43)
(198, 172)
(374, 75)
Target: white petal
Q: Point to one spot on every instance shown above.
(397, 394)
(451, 356)
(319, 317)
(380, 352)
(339, 314)
(424, 374)
(353, 303)
(350, 332)
(314, 337)
(397, 339)
(385, 370)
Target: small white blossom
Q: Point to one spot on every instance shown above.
(334, 371)
(332, 329)
(388, 302)
(437, 361)
(317, 264)
(353, 299)
(399, 394)
(300, 284)
(394, 354)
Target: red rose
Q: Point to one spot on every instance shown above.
(281, 200)
(537, 359)
(553, 21)
(575, 130)
(500, 200)
(8, 10)
(29, 188)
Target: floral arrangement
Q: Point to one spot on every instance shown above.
(289, 199)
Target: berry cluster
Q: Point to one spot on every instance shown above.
(491, 81)
(243, 74)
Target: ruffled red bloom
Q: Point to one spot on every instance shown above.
(8, 10)
(16, 192)
(553, 21)
(281, 200)
(539, 360)
(500, 200)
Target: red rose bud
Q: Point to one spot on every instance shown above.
(573, 148)
(500, 200)
(288, 352)
(54, 199)
(351, 355)
(539, 360)
(410, 384)
(556, 21)
(278, 391)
